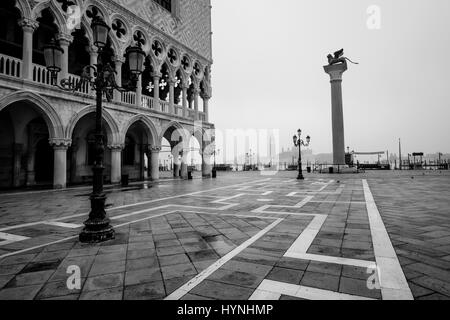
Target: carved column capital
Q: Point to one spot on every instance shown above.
(119, 59)
(116, 147)
(154, 149)
(157, 75)
(65, 39)
(28, 24)
(60, 144)
(336, 71)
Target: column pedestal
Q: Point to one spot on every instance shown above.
(60, 163)
(154, 163)
(336, 71)
(156, 104)
(116, 164)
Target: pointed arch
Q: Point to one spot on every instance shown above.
(56, 12)
(24, 8)
(113, 134)
(152, 132)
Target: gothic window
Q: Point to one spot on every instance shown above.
(185, 63)
(129, 152)
(164, 83)
(78, 52)
(11, 34)
(44, 34)
(118, 28)
(166, 4)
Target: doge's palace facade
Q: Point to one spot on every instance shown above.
(46, 134)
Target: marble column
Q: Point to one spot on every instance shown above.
(154, 163)
(60, 162)
(116, 163)
(184, 88)
(172, 95)
(196, 96)
(64, 42)
(156, 78)
(184, 164)
(31, 174)
(17, 164)
(176, 162)
(206, 160)
(206, 106)
(118, 61)
(139, 92)
(28, 26)
(336, 71)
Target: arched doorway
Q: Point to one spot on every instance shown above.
(136, 155)
(43, 163)
(11, 34)
(26, 156)
(82, 151)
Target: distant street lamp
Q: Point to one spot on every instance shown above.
(298, 142)
(97, 227)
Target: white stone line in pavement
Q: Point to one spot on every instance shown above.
(329, 259)
(299, 205)
(265, 200)
(63, 225)
(127, 206)
(306, 238)
(392, 279)
(186, 288)
(10, 238)
(271, 289)
(228, 214)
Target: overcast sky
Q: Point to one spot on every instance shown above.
(268, 71)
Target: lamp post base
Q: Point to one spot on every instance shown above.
(300, 177)
(97, 227)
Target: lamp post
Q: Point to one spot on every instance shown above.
(97, 227)
(298, 142)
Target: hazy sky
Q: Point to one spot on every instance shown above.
(268, 71)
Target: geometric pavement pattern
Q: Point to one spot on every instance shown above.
(265, 238)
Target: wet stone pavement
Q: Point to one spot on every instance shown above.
(241, 236)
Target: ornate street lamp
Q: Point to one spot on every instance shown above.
(97, 227)
(298, 142)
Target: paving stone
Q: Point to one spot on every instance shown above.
(173, 260)
(285, 275)
(104, 282)
(108, 294)
(358, 288)
(102, 268)
(176, 283)
(290, 263)
(221, 291)
(238, 278)
(204, 255)
(142, 276)
(327, 268)
(320, 280)
(20, 293)
(57, 289)
(258, 269)
(144, 263)
(28, 279)
(176, 271)
(147, 291)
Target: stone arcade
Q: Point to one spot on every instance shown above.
(46, 135)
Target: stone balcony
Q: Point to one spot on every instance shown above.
(11, 77)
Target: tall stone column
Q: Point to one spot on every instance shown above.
(64, 42)
(185, 87)
(206, 106)
(184, 164)
(336, 71)
(154, 163)
(119, 61)
(156, 78)
(206, 160)
(116, 163)
(17, 165)
(60, 147)
(196, 95)
(28, 26)
(176, 163)
(31, 174)
(172, 95)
